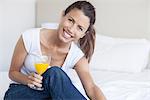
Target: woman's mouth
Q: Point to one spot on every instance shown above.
(67, 35)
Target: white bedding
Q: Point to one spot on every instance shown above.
(101, 76)
(4, 83)
(115, 85)
(127, 90)
(124, 86)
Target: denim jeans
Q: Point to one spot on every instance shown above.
(57, 86)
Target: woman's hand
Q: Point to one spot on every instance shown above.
(35, 80)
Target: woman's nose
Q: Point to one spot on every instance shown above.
(72, 28)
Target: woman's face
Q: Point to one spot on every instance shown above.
(73, 26)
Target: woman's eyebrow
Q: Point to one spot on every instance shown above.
(77, 23)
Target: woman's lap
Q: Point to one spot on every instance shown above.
(56, 85)
(19, 92)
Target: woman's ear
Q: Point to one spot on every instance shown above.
(63, 13)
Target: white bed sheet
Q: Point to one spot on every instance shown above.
(123, 86)
(101, 76)
(4, 83)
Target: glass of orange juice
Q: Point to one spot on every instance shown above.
(41, 64)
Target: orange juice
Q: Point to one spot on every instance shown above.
(41, 67)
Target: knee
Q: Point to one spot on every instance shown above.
(54, 75)
(54, 70)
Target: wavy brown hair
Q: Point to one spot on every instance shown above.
(87, 43)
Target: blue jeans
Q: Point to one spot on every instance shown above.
(57, 86)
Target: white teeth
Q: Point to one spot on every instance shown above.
(67, 35)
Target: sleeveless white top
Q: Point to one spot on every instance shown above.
(31, 40)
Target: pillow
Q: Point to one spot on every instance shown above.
(148, 66)
(120, 54)
(49, 25)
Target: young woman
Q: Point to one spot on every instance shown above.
(70, 45)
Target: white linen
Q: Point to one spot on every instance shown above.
(123, 86)
(127, 90)
(4, 83)
(102, 77)
(120, 54)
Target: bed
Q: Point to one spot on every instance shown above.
(4, 83)
(120, 67)
(131, 82)
(115, 85)
(124, 86)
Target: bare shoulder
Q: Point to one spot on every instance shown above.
(18, 55)
(20, 44)
(19, 48)
(82, 61)
(82, 65)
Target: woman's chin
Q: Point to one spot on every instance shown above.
(65, 40)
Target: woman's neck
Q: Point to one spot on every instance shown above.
(52, 39)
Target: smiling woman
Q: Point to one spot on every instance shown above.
(73, 27)
(70, 45)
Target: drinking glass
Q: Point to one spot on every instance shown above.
(41, 64)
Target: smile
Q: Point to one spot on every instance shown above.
(67, 35)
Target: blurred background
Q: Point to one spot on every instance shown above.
(117, 18)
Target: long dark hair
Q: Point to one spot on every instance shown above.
(87, 43)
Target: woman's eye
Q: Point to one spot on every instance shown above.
(70, 20)
(80, 29)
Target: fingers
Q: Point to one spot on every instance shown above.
(37, 76)
(35, 80)
(30, 85)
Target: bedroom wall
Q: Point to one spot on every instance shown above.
(122, 18)
(148, 18)
(15, 17)
(119, 18)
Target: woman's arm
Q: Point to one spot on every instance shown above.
(82, 69)
(16, 64)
